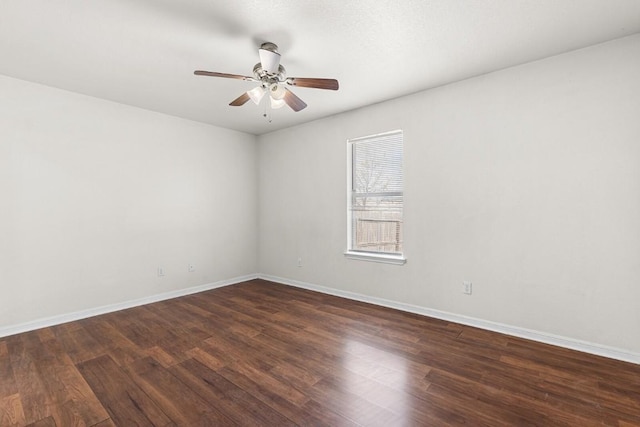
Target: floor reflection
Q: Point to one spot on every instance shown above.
(377, 376)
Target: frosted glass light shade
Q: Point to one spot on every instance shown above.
(278, 92)
(277, 103)
(256, 94)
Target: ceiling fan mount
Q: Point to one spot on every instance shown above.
(272, 79)
(261, 75)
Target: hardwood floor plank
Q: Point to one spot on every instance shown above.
(161, 356)
(315, 414)
(11, 413)
(125, 402)
(235, 403)
(260, 353)
(45, 422)
(206, 359)
(73, 400)
(120, 348)
(24, 350)
(406, 406)
(182, 404)
(304, 347)
(106, 423)
(394, 376)
(468, 410)
(78, 343)
(342, 400)
(568, 393)
(613, 396)
(288, 366)
(289, 402)
(177, 320)
(264, 381)
(8, 386)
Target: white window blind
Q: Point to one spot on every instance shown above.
(375, 194)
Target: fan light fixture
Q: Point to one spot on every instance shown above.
(276, 95)
(272, 77)
(256, 94)
(278, 91)
(277, 103)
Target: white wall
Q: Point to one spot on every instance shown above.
(96, 195)
(525, 181)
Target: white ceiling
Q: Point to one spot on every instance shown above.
(143, 52)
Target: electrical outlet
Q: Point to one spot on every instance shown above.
(299, 262)
(160, 271)
(466, 287)
(192, 268)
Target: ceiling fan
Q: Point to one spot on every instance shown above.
(272, 79)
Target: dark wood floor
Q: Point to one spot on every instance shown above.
(260, 353)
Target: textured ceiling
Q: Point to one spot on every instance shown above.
(143, 52)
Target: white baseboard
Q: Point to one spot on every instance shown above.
(83, 314)
(583, 346)
(586, 347)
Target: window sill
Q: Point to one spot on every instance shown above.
(373, 257)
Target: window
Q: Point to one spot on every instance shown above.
(375, 198)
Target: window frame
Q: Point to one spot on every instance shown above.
(356, 254)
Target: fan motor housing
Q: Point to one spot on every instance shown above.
(264, 76)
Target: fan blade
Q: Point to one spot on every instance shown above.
(225, 75)
(331, 84)
(293, 101)
(241, 100)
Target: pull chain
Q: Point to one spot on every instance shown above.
(265, 114)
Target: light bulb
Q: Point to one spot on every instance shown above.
(277, 103)
(278, 91)
(256, 94)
